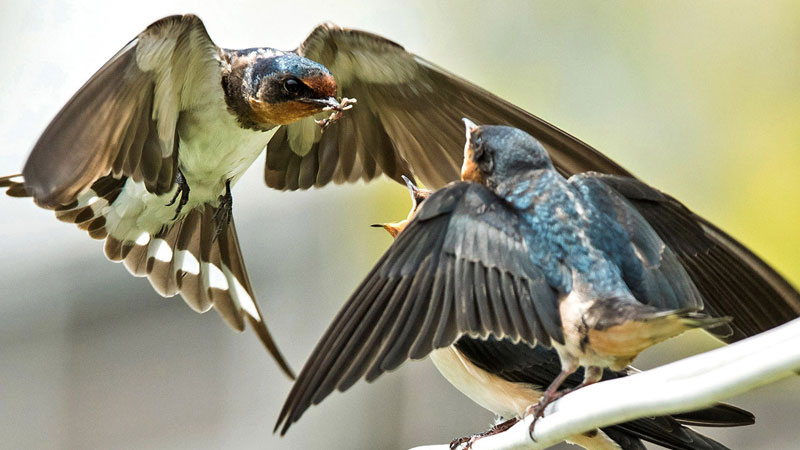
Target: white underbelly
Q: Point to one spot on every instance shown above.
(222, 152)
(207, 160)
(502, 397)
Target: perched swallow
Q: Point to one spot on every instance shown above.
(504, 377)
(515, 252)
(145, 153)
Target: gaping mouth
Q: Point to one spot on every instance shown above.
(332, 104)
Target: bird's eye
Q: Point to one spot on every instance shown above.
(291, 85)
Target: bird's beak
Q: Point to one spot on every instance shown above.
(417, 195)
(411, 186)
(393, 229)
(327, 103)
(470, 126)
(469, 170)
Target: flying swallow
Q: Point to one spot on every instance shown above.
(516, 252)
(145, 153)
(504, 377)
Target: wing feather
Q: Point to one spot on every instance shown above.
(123, 121)
(407, 120)
(427, 291)
(732, 280)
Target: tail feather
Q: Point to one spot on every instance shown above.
(624, 328)
(185, 257)
(719, 415)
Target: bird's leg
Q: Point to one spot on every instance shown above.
(591, 375)
(224, 211)
(550, 395)
(469, 440)
(183, 190)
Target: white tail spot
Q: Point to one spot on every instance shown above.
(240, 295)
(213, 277)
(160, 250)
(143, 238)
(186, 262)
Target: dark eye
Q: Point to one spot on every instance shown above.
(291, 85)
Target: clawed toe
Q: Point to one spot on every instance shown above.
(182, 191)
(224, 212)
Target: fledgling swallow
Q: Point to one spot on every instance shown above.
(145, 153)
(504, 376)
(516, 252)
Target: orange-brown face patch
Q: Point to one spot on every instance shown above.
(322, 84)
(469, 169)
(283, 113)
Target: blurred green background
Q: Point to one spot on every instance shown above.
(697, 98)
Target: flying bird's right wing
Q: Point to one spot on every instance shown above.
(460, 267)
(732, 280)
(407, 120)
(123, 120)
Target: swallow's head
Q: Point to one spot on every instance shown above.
(417, 197)
(494, 152)
(280, 88)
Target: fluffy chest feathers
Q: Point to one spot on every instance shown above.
(215, 148)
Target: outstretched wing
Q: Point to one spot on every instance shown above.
(123, 120)
(407, 120)
(460, 267)
(733, 281)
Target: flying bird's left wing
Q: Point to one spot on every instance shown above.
(124, 120)
(460, 267)
(407, 120)
(732, 280)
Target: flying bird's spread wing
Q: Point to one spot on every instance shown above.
(461, 267)
(407, 120)
(732, 280)
(123, 120)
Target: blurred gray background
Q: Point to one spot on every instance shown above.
(699, 99)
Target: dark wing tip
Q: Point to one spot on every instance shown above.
(720, 415)
(266, 338)
(14, 188)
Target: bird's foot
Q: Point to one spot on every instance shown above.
(183, 191)
(537, 410)
(224, 212)
(467, 441)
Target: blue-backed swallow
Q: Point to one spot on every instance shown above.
(504, 376)
(515, 252)
(144, 154)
